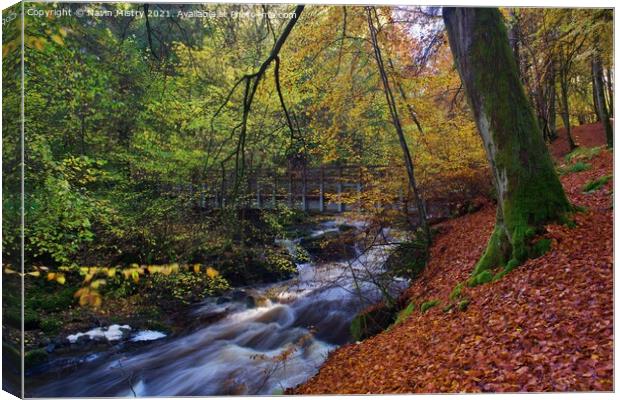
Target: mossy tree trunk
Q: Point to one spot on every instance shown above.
(529, 193)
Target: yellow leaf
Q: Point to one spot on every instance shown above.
(95, 300)
(196, 268)
(84, 299)
(58, 39)
(111, 272)
(34, 273)
(60, 278)
(97, 283)
(212, 272)
(174, 267)
(38, 43)
(9, 271)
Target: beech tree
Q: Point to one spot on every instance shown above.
(529, 193)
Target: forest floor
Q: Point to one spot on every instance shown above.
(587, 135)
(546, 326)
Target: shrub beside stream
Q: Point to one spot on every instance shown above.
(61, 300)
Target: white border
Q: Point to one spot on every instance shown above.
(501, 3)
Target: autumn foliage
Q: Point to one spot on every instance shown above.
(547, 326)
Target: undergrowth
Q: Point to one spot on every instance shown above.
(427, 305)
(582, 154)
(579, 166)
(403, 315)
(596, 184)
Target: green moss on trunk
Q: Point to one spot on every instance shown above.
(528, 189)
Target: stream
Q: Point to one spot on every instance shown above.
(278, 343)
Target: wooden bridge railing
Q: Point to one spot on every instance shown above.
(323, 189)
(327, 189)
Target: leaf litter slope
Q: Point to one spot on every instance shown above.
(546, 326)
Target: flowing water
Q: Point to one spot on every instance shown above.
(260, 350)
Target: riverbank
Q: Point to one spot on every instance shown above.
(546, 326)
(152, 302)
(270, 337)
(61, 334)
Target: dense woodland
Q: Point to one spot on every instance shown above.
(145, 137)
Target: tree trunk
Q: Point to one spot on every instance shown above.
(412, 114)
(610, 92)
(599, 98)
(514, 36)
(565, 110)
(399, 130)
(529, 193)
(594, 100)
(541, 110)
(553, 134)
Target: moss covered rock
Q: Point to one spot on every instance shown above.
(372, 321)
(331, 246)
